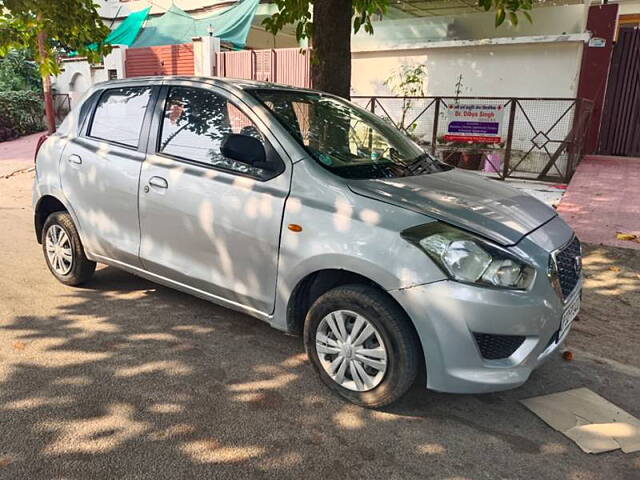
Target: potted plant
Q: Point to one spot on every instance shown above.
(493, 158)
(450, 151)
(476, 152)
(467, 155)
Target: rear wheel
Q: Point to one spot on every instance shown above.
(63, 250)
(362, 345)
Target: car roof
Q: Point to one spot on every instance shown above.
(241, 84)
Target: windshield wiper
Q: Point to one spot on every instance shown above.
(416, 166)
(425, 164)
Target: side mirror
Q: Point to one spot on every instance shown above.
(243, 148)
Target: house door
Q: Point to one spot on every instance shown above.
(620, 130)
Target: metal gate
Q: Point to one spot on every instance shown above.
(61, 106)
(164, 60)
(620, 130)
(543, 137)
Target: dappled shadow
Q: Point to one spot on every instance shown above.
(126, 378)
(124, 363)
(609, 321)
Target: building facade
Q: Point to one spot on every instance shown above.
(460, 49)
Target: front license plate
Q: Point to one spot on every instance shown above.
(570, 313)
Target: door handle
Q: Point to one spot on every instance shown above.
(158, 182)
(75, 159)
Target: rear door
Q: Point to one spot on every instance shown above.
(207, 221)
(100, 170)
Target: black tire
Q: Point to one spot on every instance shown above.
(81, 267)
(393, 325)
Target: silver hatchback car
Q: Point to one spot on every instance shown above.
(306, 211)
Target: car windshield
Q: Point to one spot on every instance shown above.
(345, 139)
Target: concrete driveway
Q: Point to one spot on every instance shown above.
(126, 379)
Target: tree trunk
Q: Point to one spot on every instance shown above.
(46, 87)
(331, 43)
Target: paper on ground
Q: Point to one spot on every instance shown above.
(592, 422)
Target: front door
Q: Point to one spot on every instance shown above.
(100, 169)
(207, 221)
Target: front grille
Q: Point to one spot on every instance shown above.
(569, 266)
(554, 339)
(495, 347)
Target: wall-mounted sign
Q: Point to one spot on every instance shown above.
(597, 42)
(474, 123)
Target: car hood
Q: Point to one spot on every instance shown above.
(478, 204)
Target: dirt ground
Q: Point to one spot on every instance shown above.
(126, 379)
(609, 322)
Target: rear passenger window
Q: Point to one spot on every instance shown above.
(195, 124)
(119, 114)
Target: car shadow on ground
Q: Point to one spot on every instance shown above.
(128, 379)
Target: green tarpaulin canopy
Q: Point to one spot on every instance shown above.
(177, 26)
(127, 32)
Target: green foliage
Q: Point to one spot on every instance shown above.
(69, 25)
(508, 7)
(18, 71)
(458, 89)
(407, 81)
(298, 12)
(21, 111)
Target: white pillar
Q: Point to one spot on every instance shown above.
(115, 60)
(121, 58)
(204, 55)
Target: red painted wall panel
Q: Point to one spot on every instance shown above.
(293, 67)
(595, 66)
(163, 60)
(288, 66)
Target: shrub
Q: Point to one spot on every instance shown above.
(18, 71)
(7, 134)
(21, 111)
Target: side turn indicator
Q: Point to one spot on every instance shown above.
(294, 227)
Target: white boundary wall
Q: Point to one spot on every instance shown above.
(542, 59)
(541, 69)
(78, 75)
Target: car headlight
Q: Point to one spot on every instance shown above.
(470, 259)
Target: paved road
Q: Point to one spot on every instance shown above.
(126, 379)
(18, 154)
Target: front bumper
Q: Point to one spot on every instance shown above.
(446, 314)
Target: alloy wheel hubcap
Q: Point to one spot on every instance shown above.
(351, 350)
(58, 246)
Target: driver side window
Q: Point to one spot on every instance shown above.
(196, 123)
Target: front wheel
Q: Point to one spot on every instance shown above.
(63, 250)
(362, 345)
